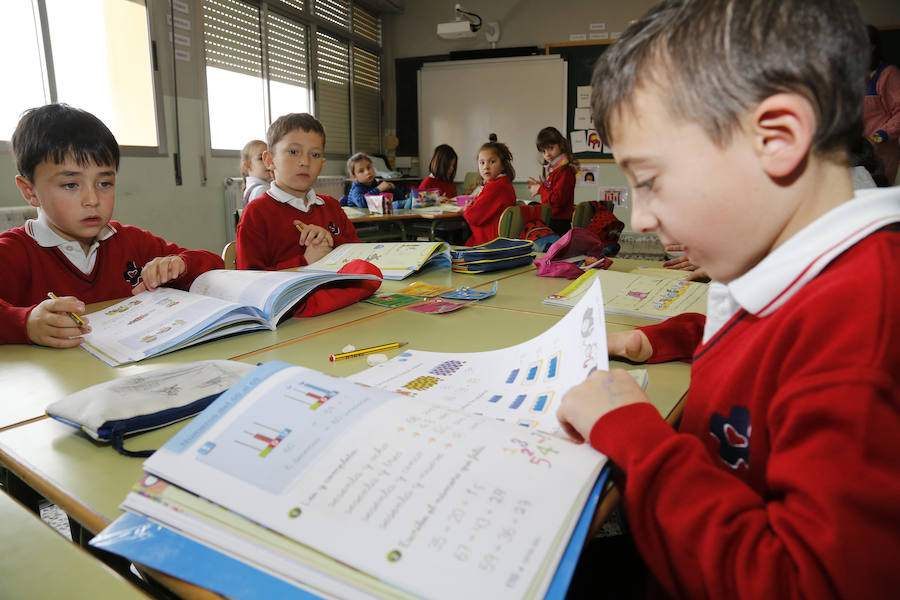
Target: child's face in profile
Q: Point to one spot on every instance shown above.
(256, 167)
(296, 161)
(76, 200)
(693, 192)
(489, 165)
(551, 152)
(364, 172)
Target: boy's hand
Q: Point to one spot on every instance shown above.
(600, 393)
(316, 252)
(49, 323)
(632, 345)
(158, 271)
(312, 235)
(385, 186)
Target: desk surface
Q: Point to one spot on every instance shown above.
(40, 563)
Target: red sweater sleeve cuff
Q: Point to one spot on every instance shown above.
(629, 433)
(13, 329)
(675, 338)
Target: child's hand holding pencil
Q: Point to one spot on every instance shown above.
(56, 322)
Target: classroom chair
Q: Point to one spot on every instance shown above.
(584, 212)
(512, 221)
(470, 182)
(229, 255)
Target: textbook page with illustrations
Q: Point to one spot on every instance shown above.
(220, 302)
(435, 501)
(397, 260)
(649, 296)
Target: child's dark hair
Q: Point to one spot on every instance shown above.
(549, 136)
(503, 153)
(862, 154)
(285, 124)
(443, 163)
(711, 61)
(876, 52)
(355, 160)
(54, 132)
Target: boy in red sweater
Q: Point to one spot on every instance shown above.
(67, 161)
(268, 236)
(783, 479)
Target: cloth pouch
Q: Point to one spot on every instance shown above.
(109, 411)
(577, 241)
(500, 253)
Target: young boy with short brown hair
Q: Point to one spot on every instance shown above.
(731, 119)
(268, 236)
(67, 161)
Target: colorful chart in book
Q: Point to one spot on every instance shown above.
(522, 384)
(298, 422)
(656, 295)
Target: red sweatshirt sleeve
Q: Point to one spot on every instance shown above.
(196, 262)
(492, 201)
(561, 193)
(675, 338)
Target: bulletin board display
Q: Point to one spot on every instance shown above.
(580, 59)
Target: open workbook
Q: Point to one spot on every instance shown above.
(219, 303)
(396, 260)
(654, 296)
(352, 491)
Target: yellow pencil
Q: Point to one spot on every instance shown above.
(363, 351)
(75, 317)
(299, 227)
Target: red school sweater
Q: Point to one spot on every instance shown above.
(268, 240)
(483, 215)
(783, 480)
(447, 188)
(558, 190)
(29, 271)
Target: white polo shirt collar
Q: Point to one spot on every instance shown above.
(774, 280)
(305, 203)
(45, 237)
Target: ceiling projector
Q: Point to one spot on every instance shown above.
(455, 30)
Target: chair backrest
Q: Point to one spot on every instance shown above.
(512, 220)
(584, 212)
(229, 255)
(470, 182)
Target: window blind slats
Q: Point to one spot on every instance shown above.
(288, 58)
(333, 76)
(366, 101)
(231, 36)
(366, 25)
(334, 11)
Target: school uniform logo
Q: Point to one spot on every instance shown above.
(733, 434)
(334, 229)
(132, 273)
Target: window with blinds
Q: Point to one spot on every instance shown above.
(263, 58)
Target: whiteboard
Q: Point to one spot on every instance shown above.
(461, 102)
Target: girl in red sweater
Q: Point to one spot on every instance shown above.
(441, 171)
(482, 212)
(558, 189)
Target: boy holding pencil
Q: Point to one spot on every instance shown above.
(732, 120)
(67, 161)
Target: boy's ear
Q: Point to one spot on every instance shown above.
(782, 127)
(26, 188)
(268, 160)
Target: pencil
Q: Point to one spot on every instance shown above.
(75, 317)
(299, 227)
(363, 351)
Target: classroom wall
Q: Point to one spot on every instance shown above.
(192, 214)
(532, 23)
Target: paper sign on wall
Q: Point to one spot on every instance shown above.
(588, 174)
(577, 139)
(582, 118)
(594, 143)
(583, 93)
(617, 195)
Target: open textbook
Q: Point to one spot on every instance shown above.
(354, 491)
(635, 294)
(396, 260)
(219, 303)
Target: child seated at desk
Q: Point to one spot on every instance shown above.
(362, 171)
(731, 120)
(482, 212)
(441, 171)
(291, 225)
(254, 173)
(67, 161)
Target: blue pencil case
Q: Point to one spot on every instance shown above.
(500, 253)
(109, 411)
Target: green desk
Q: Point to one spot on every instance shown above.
(40, 563)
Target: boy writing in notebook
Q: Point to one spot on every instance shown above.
(731, 119)
(291, 225)
(67, 161)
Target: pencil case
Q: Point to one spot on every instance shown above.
(109, 411)
(500, 253)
